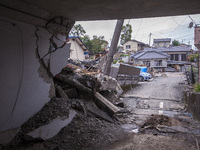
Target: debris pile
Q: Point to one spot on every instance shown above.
(85, 85)
(83, 114)
(164, 124)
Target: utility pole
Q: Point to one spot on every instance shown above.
(196, 43)
(113, 46)
(150, 38)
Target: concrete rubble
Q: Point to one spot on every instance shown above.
(7, 136)
(84, 115)
(78, 92)
(50, 130)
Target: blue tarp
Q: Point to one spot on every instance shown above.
(143, 69)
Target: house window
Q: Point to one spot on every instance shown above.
(128, 46)
(176, 57)
(172, 56)
(158, 63)
(147, 63)
(183, 57)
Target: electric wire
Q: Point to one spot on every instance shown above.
(177, 27)
(138, 28)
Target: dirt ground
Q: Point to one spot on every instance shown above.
(153, 142)
(154, 119)
(158, 110)
(164, 86)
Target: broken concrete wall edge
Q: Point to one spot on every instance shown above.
(43, 71)
(192, 100)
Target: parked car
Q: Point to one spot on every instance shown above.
(144, 76)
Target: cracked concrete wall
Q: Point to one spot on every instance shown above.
(192, 100)
(26, 84)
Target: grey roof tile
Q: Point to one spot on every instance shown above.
(170, 49)
(151, 55)
(162, 40)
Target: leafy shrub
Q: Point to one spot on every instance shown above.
(124, 55)
(121, 61)
(115, 61)
(193, 57)
(197, 87)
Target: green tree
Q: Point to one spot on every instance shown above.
(175, 43)
(77, 30)
(86, 40)
(125, 34)
(98, 44)
(194, 57)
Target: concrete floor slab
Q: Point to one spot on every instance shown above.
(50, 130)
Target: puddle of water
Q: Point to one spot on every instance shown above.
(133, 128)
(170, 113)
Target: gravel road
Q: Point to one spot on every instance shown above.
(163, 86)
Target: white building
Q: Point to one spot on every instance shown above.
(78, 51)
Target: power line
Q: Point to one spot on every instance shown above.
(174, 20)
(177, 27)
(153, 24)
(184, 36)
(192, 19)
(138, 28)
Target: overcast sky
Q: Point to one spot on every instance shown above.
(174, 27)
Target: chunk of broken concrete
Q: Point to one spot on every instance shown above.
(121, 104)
(108, 83)
(61, 93)
(7, 136)
(71, 93)
(50, 130)
(92, 108)
(164, 128)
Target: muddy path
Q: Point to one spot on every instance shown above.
(156, 117)
(162, 86)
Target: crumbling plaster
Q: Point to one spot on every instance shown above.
(26, 83)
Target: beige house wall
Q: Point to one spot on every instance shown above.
(152, 62)
(133, 44)
(76, 52)
(161, 44)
